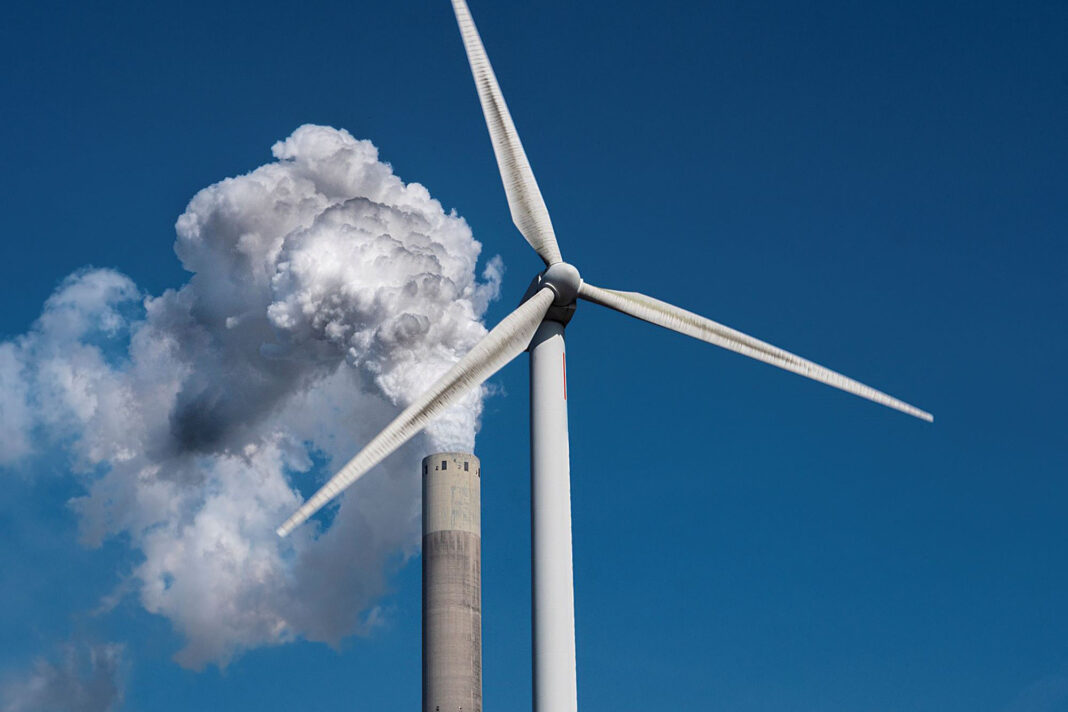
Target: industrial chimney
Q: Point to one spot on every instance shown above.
(452, 584)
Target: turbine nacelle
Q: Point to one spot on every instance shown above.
(563, 278)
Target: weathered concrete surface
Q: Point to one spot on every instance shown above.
(452, 584)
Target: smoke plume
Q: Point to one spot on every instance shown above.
(325, 294)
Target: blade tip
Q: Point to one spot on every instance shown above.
(920, 414)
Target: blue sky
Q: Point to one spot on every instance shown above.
(880, 188)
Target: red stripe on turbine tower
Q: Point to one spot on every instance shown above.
(563, 359)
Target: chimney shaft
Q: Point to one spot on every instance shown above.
(452, 583)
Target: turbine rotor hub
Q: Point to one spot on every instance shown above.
(564, 280)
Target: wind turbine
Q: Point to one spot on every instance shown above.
(537, 326)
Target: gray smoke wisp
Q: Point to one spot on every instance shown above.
(326, 293)
(85, 678)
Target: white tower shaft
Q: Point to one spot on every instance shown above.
(553, 592)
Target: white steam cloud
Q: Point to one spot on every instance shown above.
(326, 294)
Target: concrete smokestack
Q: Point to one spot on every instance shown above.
(452, 583)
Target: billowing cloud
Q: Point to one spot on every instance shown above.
(326, 294)
(85, 678)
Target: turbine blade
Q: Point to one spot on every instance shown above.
(671, 317)
(502, 344)
(524, 198)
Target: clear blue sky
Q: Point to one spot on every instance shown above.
(879, 187)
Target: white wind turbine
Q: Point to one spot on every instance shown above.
(537, 325)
